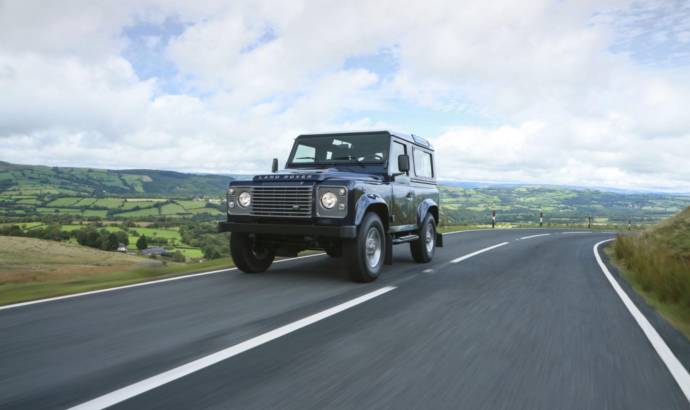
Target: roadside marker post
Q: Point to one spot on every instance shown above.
(541, 219)
(493, 219)
(589, 222)
(630, 224)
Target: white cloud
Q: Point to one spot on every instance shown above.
(566, 98)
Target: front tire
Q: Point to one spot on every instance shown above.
(423, 249)
(247, 256)
(366, 253)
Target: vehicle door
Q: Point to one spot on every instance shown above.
(404, 217)
(422, 180)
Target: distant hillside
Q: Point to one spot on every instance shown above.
(32, 192)
(522, 204)
(36, 180)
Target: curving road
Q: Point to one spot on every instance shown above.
(500, 319)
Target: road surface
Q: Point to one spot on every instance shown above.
(500, 319)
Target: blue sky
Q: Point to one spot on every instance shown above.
(556, 92)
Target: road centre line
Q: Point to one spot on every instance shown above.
(136, 285)
(535, 236)
(158, 380)
(469, 255)
(679, 373)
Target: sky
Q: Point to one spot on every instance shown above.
(586, 93)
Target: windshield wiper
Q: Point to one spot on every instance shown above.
(357, 160)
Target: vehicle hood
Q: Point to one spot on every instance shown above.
(315, 175)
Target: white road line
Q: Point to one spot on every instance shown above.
(158, 380)
(535, 236)
(679, 373)
(468, 230)
(469, 255)
(565, 233)
(136, 285)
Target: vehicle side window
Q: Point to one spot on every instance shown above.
(397, 149)
(422, 164)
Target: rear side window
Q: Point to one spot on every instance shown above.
(422, 164)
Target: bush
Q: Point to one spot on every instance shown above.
(178, 257)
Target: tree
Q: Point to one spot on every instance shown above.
(142, 243)
(110, 243)
(122, 237)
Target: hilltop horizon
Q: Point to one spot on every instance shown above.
(442, 181)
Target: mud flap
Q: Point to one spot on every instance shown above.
(388, 259)
(439, 240)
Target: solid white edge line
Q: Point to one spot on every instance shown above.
(136, 285)
(535, 236)
(469, 255)
(158, 380)
(679, 373)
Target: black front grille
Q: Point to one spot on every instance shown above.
(282, 201)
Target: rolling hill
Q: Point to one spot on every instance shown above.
(29, 192)
(39, 180)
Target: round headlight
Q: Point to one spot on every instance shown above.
(245, 199)
(328, 200)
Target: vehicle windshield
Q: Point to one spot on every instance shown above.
(340, 149)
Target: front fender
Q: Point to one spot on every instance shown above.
(365, 202)
(423, 208)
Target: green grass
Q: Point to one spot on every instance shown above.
(676, 314)
(110, 203)
(159, 232)
(14, 293)
(657, 264)
(139, 213)
(172, 209)
(68, 201)
(191, 204)
(33, 268)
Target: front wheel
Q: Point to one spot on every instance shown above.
(249, 257)
(366, 253)
(423, 248)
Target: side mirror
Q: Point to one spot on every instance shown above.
(404, 163)
(274, 166)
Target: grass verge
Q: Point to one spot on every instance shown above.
(652, 286)
(20, 292)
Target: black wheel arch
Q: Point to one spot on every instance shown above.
(427, 206)
(372, 203)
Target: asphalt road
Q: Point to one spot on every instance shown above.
(531, 324)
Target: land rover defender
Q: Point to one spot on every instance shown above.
(354, 195)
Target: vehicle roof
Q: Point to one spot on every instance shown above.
(411, 138)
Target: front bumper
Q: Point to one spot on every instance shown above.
(340, 231)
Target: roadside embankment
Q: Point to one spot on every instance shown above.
(656, 262)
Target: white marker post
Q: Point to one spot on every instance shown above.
(493, 219)
(541, 219)
(589, 222)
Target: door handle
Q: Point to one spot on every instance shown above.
(409, 195)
